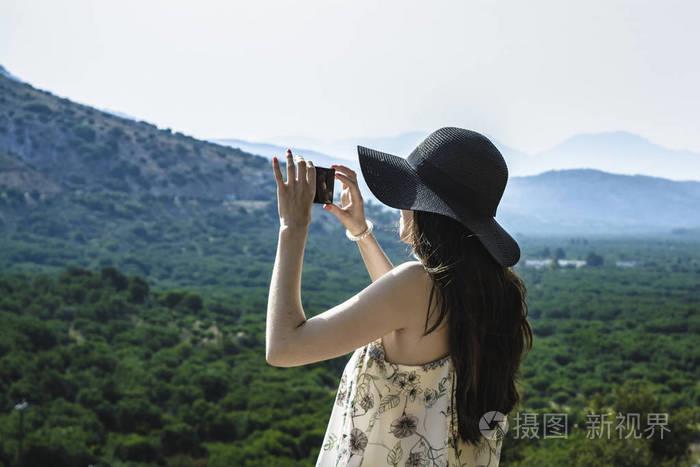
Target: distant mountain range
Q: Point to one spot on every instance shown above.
(565, 201)
(52, 147)
(617, 152)
(593, 202)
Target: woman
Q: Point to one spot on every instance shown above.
(437, 343)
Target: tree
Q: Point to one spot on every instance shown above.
(135, 447)
(138, 290)
(559, 254)
(594, 260)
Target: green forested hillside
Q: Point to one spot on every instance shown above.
(118, 372)
(113, 371)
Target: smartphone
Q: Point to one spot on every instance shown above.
(325, 181)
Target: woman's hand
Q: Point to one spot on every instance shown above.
(296, 196)
(351, 212)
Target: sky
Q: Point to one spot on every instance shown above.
(530, 74)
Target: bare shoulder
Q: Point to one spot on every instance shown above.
(413, 271)
(411, 264)
(415, 281)
(405, 283)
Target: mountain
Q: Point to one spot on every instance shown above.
(73, 146)
(83, 187)
(71, 171)
(589, 201)
(617, 152)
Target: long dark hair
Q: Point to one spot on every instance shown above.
(485, 305)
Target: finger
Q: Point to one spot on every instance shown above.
(345, 178)
(276, 170)
(334, 209)
(354, 189)
(291, 168)
(346, 170)
(301, 169)
(345, 197)
(344, 182)
(311, 174)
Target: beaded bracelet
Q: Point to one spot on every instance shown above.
(357, 238)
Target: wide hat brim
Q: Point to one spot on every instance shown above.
(397, 184)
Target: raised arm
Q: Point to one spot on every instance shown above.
(376, 261)
(351, 214)
(383, 306)
(290, 338)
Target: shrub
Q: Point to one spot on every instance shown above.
(137, 448)
(86, 133)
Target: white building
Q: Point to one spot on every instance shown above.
(538, 263)
(574, 263)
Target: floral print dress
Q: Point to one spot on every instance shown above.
(398, 415)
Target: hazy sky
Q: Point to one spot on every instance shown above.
(529, 73)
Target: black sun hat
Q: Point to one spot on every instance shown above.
(454, 172)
